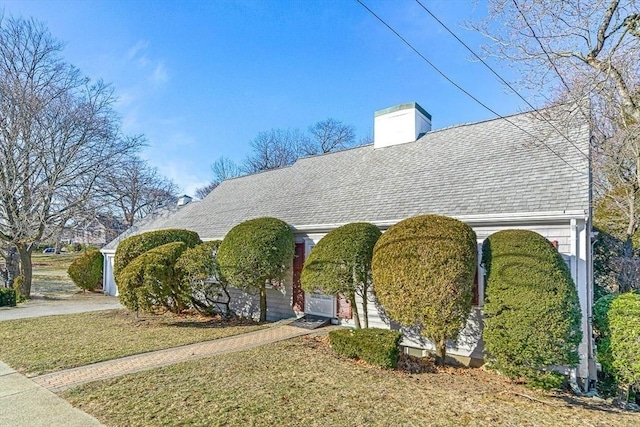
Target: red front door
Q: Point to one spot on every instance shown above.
(298, 293)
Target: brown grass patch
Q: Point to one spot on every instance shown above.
(298, 382)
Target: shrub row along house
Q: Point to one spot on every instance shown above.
(527, 171)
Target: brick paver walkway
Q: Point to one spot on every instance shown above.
(62, 380)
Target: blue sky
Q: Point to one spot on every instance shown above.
(201, 78)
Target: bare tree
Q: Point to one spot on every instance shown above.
(58, 133)
(573, 50)
(136, 189)
(327, 136)
(223, 168)
(582, 47)
(273, 149)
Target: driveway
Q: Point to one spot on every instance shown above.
(46, 306)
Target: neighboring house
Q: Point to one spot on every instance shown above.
(97, 231)
(515, 172)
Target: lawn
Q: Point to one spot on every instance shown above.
(300, 382)
(46, 344)
(50, 276)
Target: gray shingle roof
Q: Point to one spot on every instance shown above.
(492, 167)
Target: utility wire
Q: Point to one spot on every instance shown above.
(461, 88)
(534, 109)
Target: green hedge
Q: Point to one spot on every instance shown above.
(624, 322)
(150, 280)
(7, 297)
(86, 270)
(603, 332)
(423, 271)
(341, 264)
(376, 346)
(134, 246)
(255, 252)
(531, 311)
(197, 267)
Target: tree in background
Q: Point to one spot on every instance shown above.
(327, 136)
(341, 264)
(223, 168)
(58, 133)
(423, 271)
(277, 148)
(257, 252)
(273, 149)
(531, 310)
(575, 50)
(135, 189)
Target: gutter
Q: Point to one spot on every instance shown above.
(511, 218)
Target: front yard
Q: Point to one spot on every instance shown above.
(46, 344)
(300, 382)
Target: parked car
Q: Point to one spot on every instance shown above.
(49, 251)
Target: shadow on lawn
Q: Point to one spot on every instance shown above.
(216, 323)
(589, 404)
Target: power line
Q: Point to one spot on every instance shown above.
(534, 109)
(461, 88)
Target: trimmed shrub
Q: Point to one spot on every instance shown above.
(624, 322)
(17, 286)
(423, 271)
(606, 379)
(150, 281)
(376, 346)
(341, 264)
(532, 311)
(86, 270)
(343, 343)
(7, 297)
(255, 252)
(134, 246)
(198, 269)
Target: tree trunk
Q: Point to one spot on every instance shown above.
(263, 303)
(441, 352)
(26, 269)
(354, 310)
(365, 306)
(13, 264)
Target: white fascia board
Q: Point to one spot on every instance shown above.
(108, 251)
(512, 218)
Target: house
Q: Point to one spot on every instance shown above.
(96, 231)
(528, 171)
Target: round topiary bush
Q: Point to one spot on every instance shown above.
(151, 281)
(134, 246)
(86, 270)
(255, 252)
(341, 264)
(423, 271)
(532, 311)
(624, 322)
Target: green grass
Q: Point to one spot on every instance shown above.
(299, 382)
(50, 276)
(46, 344)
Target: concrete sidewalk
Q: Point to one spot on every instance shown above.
(24, 403)
(62, 380)
(39, 306)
